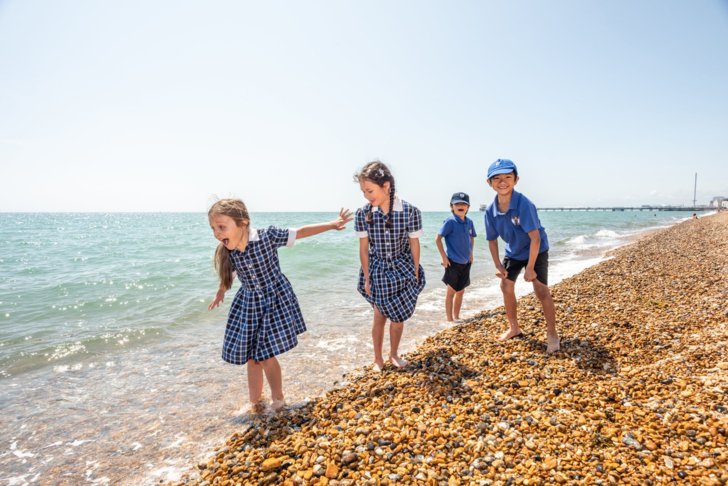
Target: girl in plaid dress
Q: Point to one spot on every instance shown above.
(265, 318)
(391, 277)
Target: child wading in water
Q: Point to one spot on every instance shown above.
(459, 234)
(391, 277)
(265, 318)
(513, 217)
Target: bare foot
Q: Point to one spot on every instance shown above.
(510, 333)
(377, 366)
(553, 344)
(397, 361)
(256, 408)
(277, 405)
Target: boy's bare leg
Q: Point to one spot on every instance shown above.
(449, 296)
(378, 338)
(458, 303)
(553, 342)
(508, 288)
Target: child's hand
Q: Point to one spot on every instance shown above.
(445, 262)
(500, 272)
(530, 275)
(344, 217)
(219, 297)
(367, 287)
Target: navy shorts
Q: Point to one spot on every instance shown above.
(457, 275)
(514, 267)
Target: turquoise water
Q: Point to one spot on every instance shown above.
(103, 319)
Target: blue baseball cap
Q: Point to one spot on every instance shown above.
(502, 166)
(460, 197)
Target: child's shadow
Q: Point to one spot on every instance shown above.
(585, 354)
(439, 374)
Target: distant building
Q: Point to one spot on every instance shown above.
(719, 202)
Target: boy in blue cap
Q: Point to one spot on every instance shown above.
(513, 217)
(459, 233)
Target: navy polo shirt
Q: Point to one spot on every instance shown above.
(457, 234)
(513, 226)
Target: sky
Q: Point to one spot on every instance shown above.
(167, 105)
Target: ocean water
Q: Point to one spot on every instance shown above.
(110, 364)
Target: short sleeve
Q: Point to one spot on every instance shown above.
(473, 234)
(414, 223)
(528, 217)
(491, 232)
(360, 223)
(281, 237)
(446, 228)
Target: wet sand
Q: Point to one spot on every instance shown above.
(638, 393)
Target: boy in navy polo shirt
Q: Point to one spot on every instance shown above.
(513, 217)
(459, 233)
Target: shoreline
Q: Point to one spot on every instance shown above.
(500, 410)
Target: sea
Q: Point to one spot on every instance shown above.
(110, 367)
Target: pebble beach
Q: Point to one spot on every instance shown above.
(638, 393)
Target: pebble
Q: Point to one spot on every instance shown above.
(635, 394)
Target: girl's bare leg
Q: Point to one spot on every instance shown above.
(275, 381)
(395, 336)
(378, 338)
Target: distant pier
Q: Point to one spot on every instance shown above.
(624, 208)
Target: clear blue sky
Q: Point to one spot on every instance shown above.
(162, 105)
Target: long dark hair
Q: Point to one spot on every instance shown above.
(378, 173)
(235, 209)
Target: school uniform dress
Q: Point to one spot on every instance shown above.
(393, 286)
(265, 318)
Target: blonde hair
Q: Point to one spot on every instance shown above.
(235, 209)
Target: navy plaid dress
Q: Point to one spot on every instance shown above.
(394, 289)
(265, 319)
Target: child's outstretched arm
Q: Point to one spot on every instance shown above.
(313, 229)
(500, 269)
(219, 296)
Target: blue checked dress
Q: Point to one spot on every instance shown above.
(393, 287)
(265, 318)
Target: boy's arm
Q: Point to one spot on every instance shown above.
(472, 248)
(441, 249)
(314, 229)
(500, 269)
(530, 274)
(415, 246)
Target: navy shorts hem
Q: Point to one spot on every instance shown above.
(514, 267)
(457, 275)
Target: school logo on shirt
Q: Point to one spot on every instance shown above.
(516, 220)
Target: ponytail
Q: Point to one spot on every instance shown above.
(224, 266)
